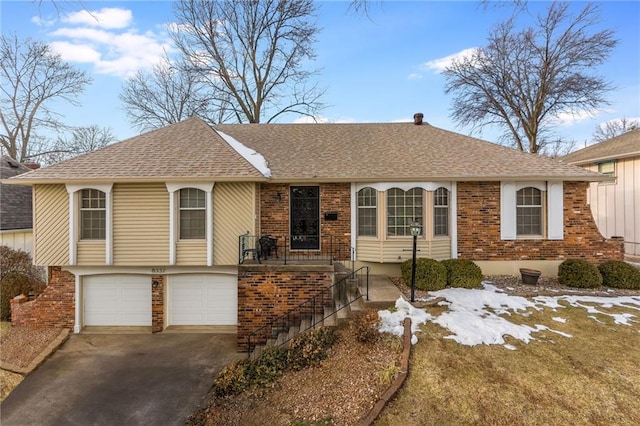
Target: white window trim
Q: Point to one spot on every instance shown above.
(173, 189)
(405, 186)
(73, 220)
(554, 209)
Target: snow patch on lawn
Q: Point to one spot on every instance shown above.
(477, 316)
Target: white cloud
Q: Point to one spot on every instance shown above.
(107, 17)
(106, 39)
(569, 118)
(440, 64)
(75, 53)
(415, 76)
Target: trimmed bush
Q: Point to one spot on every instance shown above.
(431, 275)
(462, 273)
(17, 276)
(579, 273)
(12, 285)
(619, 274)
(365, 326)
(310, 348)
(234, 378)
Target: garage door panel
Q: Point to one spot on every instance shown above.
(117, 300)
(202, 300)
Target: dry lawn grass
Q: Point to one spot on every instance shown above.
(591, 378)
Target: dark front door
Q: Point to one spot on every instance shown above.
(305, 217)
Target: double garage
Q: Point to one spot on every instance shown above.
(189, 299)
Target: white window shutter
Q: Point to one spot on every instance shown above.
(508, 210)
(555, 211)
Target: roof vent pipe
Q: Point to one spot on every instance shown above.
(417, 118)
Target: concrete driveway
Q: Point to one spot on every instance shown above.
(126, 379)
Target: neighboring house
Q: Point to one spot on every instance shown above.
(615, 204)
(15, 208)
(152, 231)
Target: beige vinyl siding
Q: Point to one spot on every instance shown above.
(399, 250)
(191, 253)
(234, 212)
(616, 206)
(140, 224)
(91, 253)
(51, 225)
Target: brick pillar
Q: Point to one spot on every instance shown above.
(157, 303)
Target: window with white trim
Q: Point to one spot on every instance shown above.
(192, 208)
(441, 212)
(403, 207)
(529, 212)
(367, 212)
(93, 214)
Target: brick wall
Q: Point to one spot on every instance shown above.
(157, 303)
(334, 197)
(55, 307)
(268, 291)
(479, 229)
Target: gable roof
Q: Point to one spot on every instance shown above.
(15, 201)
(622, 146)
(192, 150)
(189, 150)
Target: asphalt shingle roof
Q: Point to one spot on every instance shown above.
(15, 201)
(622, 146)
(300, 152)
(390, 151)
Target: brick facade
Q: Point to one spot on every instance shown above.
(157, 302)
(268, 291)
(55, 307)
(479, 229)
(334, 197)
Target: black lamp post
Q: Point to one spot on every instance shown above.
(415, 228)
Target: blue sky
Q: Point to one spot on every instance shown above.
(378, 69)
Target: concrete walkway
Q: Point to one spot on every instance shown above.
(382, 292)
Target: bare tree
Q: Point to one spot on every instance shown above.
(523, 80)
(252, 54)
(167, 94)
(613, 128)
(80, 141)
(32, 79)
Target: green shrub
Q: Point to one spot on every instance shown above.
(310, 348)
(270, 365)
(431, 275)
(579, 273)
(364, 326)
(619, 274)
(462, 273)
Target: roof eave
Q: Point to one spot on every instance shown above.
(596, 160)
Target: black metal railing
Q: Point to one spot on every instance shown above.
(295, 249)
(308, 314)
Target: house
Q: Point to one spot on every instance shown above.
(162, 230)
(15, 208)
(615, 204)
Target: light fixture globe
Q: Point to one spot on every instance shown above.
(415, 228)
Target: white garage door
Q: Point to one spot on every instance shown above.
(117, 300)
(202, 299)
